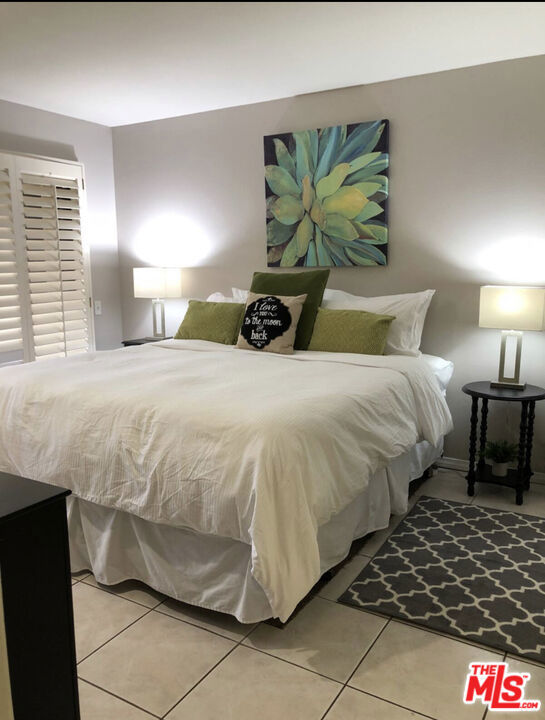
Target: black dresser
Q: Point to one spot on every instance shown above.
(37, 604)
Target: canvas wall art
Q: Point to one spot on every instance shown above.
(327, 196)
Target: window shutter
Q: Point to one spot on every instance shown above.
(58, 294)
(52, 267)
(11, 332)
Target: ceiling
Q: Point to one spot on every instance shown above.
(118, 63)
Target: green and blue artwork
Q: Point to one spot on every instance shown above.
(327, 196)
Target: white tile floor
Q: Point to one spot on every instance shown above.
(142, 655)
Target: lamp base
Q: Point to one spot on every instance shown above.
(508, 385)
(511, 382)
(158, 310)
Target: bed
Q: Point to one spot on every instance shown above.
(225, 478)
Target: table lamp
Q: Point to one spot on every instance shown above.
(157, 283)
(516, 308)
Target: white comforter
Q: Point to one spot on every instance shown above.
(257, 447)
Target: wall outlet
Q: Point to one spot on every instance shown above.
(98, 307)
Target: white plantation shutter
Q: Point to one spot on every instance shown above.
(11, 326)
(53, 265)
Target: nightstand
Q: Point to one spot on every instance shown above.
(36, 596)
(518, 478)
(143, 341)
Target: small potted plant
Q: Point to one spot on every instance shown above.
(501, 453)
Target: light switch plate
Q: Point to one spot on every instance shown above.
(98, 307)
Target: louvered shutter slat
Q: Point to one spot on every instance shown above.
(11, 332)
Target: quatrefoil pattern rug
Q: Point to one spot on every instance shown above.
(471, 572)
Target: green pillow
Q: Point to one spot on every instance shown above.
(310, 283)
(350, 331)
(215, 321)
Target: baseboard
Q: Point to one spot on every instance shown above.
(450, 463)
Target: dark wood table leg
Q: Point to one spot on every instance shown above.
(484, 428)
(529, 442)
(522, 453)
(472, 446)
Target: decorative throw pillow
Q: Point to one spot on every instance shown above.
(310, 282)
(350, 331)
(409, 309)
(270, 323)
(214, 321)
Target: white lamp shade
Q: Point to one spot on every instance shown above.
(152, 282)
(512, 308)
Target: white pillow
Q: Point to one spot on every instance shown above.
(240, 296)
(220, 297)
(409, 309)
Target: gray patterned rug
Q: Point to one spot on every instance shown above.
(471, 572)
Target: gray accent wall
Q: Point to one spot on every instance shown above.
(36, 132)
(466, 206)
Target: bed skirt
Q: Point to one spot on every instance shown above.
(215, 572)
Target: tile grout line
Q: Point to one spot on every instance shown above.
(391, 702)
(118, 697)
(289, 662)
(106, 589)
(354, 670)
(156, 609)
(232, 650)
(346, 684)
(150, 610)
(200, 627)
(114, 636)
(366, 653)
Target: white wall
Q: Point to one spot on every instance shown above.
(466, 205)
(27, 130)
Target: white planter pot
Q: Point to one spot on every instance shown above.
(499, 469)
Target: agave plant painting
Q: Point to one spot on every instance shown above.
(327, 196)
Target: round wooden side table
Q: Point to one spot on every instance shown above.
(479, 471)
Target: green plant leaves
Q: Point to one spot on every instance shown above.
(308, 193)
(327, 149)
(303, 235)
(362, 161)
(317, 214)
(375, 167)
(290, 257)
(288, 210)
(372, 209)
(361, 137)
(366, 255)
(367, 188)
(324, 258)
(337, 252)
(283, 157)
(274, 254)
(382, 180)
(347, 201)
(311, 259)
(374, 234)
(280, 181)
(277, 233)
(332, 182)
(303, 155)
(339, 226)
(371, 145)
